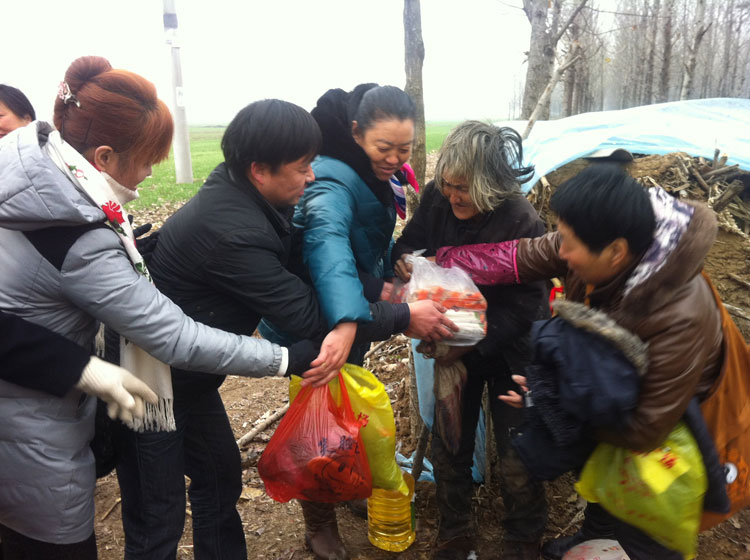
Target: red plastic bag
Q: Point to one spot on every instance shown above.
(316, 453)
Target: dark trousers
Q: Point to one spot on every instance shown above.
(523, 497)
(599, 523)
(151, 469)
(16, 546)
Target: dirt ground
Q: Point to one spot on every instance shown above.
(275, 531)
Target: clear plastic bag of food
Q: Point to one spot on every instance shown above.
(453, 288)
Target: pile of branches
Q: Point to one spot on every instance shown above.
(725, 188)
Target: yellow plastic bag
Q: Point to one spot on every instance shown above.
(368, 396)
(660, 492)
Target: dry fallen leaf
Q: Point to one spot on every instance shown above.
(250, 493)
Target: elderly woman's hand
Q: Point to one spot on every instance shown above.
(403, 269)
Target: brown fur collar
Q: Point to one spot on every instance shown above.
(595, 321)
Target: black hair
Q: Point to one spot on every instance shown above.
(272, 132)
(382, 102)
(16, 101)
(603, 203)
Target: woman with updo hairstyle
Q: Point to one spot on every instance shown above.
(64, 234)
(114, 108)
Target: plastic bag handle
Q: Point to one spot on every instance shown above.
(362, 419)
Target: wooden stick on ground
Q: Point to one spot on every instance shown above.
(375, 348)
(737, 312)
(732, 190)
(721, 171)
(418, 464)
(248, 437)
(110, 510)
(577, 518)
(701, 180)
(739, 280)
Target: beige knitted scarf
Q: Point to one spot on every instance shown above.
(156, 374)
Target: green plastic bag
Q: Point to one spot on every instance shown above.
(660, 492)
(368, 396)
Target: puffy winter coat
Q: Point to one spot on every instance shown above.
(47, 475)
(229, 258)
(584, 375)
(345, 228)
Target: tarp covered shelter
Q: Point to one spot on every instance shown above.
(696, 127)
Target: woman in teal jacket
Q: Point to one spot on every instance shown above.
(349, 212)
(348, 215)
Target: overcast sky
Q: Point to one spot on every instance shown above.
(237, 51)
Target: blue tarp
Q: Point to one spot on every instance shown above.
(696, 127)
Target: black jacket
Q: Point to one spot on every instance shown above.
(579, 380)
(228, 258)
(510, 309)
(37, 358)
(223, 259)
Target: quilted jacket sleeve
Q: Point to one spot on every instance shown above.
(517, 261)
(327, 211)
(97, 276)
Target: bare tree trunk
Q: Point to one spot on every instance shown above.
(414, 55)
(689, 74)
(582, 97)
(648, 93)
(542, 50)
(570, 77)
(707, 58)
(538, 68)
(571, 59)
(724, 80)
(734, 88)
(666, 59)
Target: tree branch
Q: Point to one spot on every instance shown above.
(564, 28)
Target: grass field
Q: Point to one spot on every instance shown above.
(205, 151)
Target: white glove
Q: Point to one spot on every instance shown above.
(121, 390)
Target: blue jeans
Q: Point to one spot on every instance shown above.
(151, 468)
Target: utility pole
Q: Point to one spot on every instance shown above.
(181, 143)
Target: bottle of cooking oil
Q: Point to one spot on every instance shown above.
(390, 517)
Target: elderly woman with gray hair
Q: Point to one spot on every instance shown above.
(476, 198)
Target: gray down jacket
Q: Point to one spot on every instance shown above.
(47, 470)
